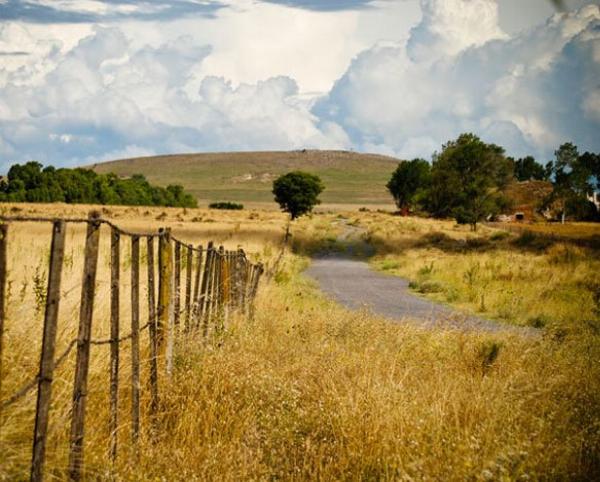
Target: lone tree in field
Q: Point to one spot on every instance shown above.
(297, 192)
(466, 180)
(409, 182)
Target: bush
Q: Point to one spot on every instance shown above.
(529, 239)
(226, 205)
(500, 236)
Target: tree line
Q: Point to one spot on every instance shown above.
(467, 179)
(31, 182)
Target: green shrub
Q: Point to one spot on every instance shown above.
(529, 239)
(228, 205)
(500, 236)
(428, 286)
(389, 265)
(539, 321)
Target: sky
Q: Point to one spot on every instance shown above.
(83, 81)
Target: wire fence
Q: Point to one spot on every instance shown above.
(197, 287)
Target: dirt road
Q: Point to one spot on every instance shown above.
(352, 283)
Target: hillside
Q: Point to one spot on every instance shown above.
(349, 177)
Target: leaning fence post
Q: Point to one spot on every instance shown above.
(44, 393)
(135, 338)
(188, 286)
(83, 347)
(165, 295)
(220, 285)
(204, 292)
(3, 271)
(115, 264)
(197, 299)
(241, 271)
(259, 272)
(177, 288)
(152, 327)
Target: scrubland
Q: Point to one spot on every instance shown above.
(308, 390)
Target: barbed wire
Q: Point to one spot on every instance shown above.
(31, 384)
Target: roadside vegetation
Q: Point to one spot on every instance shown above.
(522, 278)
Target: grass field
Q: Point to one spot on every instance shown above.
(309, 390)
(349, 177)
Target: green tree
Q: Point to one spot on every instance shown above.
(466, 179)
(409, 181)
(297, 192)
(30, 183)
(527, 169)
(571, 176)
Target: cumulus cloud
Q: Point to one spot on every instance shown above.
(96, 93)
(106, 98)
(529, 93)
(448, 27)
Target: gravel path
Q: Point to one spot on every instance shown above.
(352, 283)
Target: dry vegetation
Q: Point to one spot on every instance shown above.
(309, 390)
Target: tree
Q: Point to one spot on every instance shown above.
(571, 175)
(409, 181)
(591, 162)
(466, 179)
(30, 183)
(297, 192)
(527, 169)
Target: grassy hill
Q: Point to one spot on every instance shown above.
(349, 177)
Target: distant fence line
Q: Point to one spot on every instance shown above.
(216, 283)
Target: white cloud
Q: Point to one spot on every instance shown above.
(529, 93)
(246, 80)
(450, 26)
(106, 97)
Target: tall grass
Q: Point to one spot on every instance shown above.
(308, 390)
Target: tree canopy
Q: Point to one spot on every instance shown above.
(466, 180)
(30, 182)
(409, 183)
(574, 176)
(297, 192)
(528, 169)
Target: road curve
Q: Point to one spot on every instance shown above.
(352, 283)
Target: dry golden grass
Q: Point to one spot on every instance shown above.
(576, 231)
(309, 390)
(525, 280)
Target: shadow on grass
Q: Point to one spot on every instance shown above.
(352, 247)
(527, 241)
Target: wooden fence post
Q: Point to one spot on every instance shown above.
(259, 272)
(115, 265)
(197, 281)
(135, 338)
(3, 276)
(220, 283)
(188, 286)
(249, 284)
(46, 372)
(177, 288)
(165, 296)
(152, 327)
(204, 292)
(241, 271)
(83, 347)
